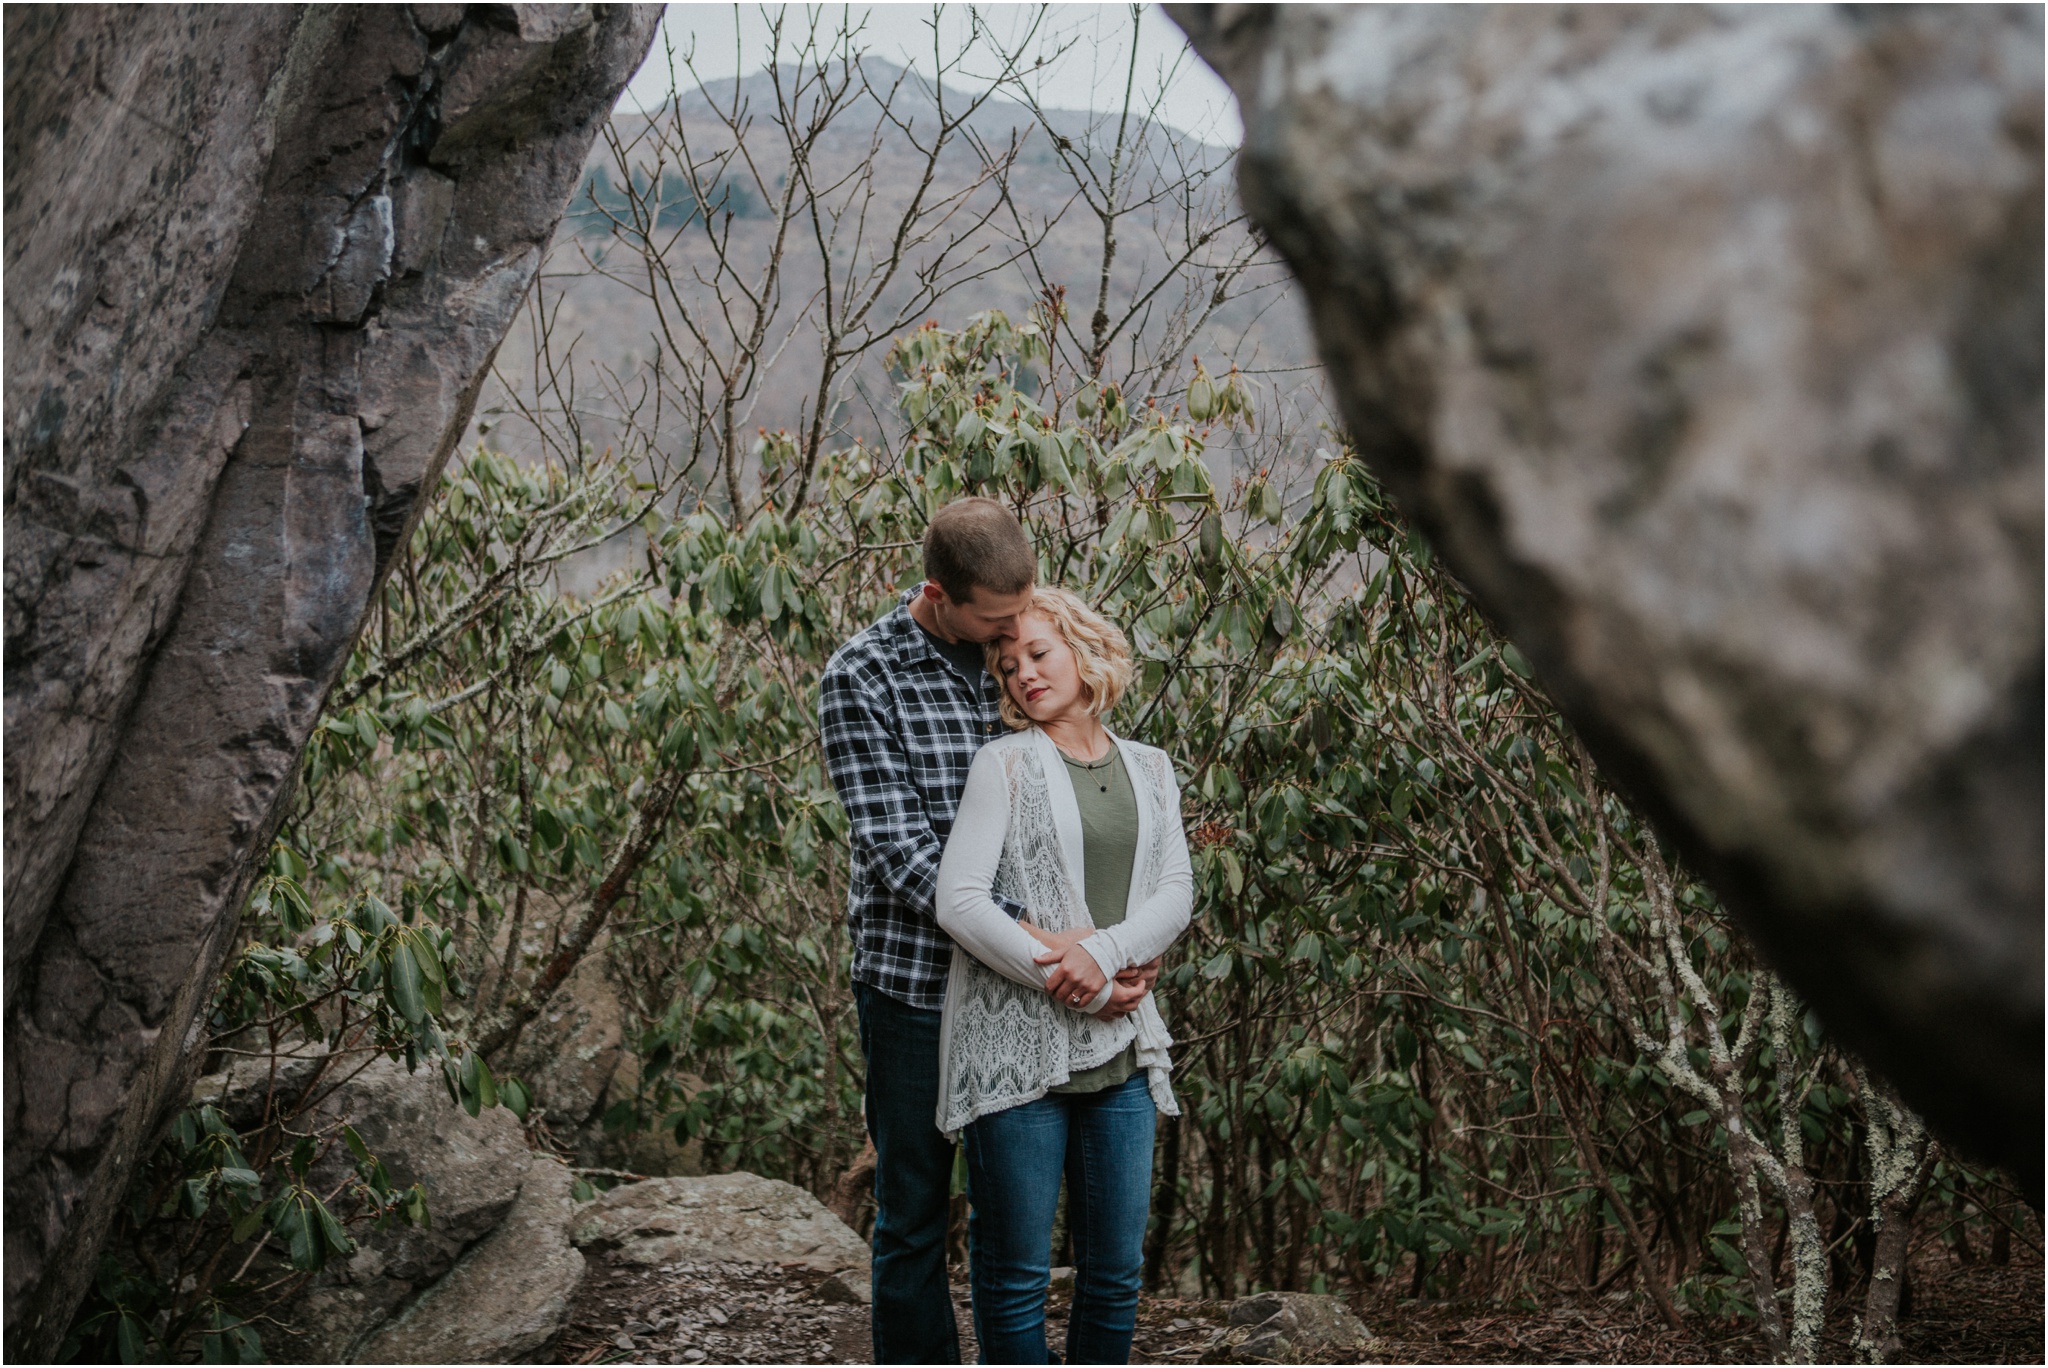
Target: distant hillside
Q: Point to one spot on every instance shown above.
(867, 164)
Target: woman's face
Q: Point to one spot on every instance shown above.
(1041, 673)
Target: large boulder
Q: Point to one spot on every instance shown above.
(508, 1296)
(1706, 344)
(258, 259)
(725, 1218)
(480, 1178)
(473, 1169)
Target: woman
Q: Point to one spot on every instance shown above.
(1048, 1061)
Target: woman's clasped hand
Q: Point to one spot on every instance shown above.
(1077, 979)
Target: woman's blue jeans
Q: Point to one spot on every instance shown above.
(1102, 1143)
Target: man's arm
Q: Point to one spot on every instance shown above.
(892, 831)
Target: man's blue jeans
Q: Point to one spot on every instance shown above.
(913, 1306)
(1102, 1142)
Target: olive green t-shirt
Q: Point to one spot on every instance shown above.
(1109, 845)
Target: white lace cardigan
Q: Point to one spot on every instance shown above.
(1003, 1040)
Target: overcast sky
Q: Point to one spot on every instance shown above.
(1090, 74)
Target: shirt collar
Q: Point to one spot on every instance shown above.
(912, 642)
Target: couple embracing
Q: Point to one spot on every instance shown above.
(1017, 873)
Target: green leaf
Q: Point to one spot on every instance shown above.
(132, 1338)
(375, 914)
(581, 1190)
(402, 983)
(425, 957)
(355, 1144)
(516, 1098)
(486, 1086)
(297, 1228)
(1233, 872)
(336, 1238)
(1282, 618)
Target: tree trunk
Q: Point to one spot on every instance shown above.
(1809, 1267)
(856, 1187)
(1755, 1253)
(1877, 1337)
(1165, 1203)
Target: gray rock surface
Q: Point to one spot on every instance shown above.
(571, 1054)
(257, 261)
(575, 1058)
(726, 1218)
(507, 1297)
(477, 1171)
(491, 1276)
(1706, 344)
(1285, 1327)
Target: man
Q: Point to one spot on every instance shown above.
(904, 707)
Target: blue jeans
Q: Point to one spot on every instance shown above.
(913, 1305)
(1102, 1143)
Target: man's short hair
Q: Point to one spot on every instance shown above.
(976, 543)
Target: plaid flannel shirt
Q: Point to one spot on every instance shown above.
(901, 728)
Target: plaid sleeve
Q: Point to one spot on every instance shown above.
(891, 829)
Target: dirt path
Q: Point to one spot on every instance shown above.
(747, 1313)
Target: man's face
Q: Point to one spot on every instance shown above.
(982, 616)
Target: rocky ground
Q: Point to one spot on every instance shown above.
(739, 1268)
(750, 1313)
(741, 1313)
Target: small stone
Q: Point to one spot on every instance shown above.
(843, 1289)
(716, 1315)
(1181, 1323)
(636, 1327)
(623, 1341)
(1266, 1343)
(693, 1355)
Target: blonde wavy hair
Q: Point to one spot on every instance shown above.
(1102, 652)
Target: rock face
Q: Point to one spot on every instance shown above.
(726, 1218)
(257, 262)
(1707, 346)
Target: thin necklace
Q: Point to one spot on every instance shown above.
(1091, 766)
